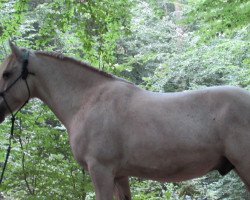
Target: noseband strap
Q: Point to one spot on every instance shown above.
(24, 75)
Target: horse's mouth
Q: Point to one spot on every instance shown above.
(2, 115)
(2, 118)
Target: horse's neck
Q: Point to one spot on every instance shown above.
(65, 87)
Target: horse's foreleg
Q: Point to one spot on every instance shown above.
(103, 181)
(122, 189)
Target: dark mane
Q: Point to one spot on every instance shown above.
(60, 56)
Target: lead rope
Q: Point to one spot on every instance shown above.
(9, 148)
(24, 76)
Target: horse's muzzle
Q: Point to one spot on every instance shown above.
(2, 112)
(2, 118)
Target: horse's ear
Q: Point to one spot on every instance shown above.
(16, 51)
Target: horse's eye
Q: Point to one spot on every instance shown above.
(6, 75)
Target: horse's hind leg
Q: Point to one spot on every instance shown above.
(237, 152)
(243, 171)
(122, 189)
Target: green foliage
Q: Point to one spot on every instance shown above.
(221, 17)
(94, 26)
(144, 190)
(97, 25)
(12, 16)
(224, 62)
(152, 40)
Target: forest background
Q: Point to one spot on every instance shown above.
(160, 45)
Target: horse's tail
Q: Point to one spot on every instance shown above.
(118, 192)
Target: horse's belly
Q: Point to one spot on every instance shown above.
(171, 172)
(171, 145)
(170, 162)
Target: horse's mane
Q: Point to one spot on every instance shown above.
(60, 56)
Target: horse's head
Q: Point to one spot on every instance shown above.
(14, 86)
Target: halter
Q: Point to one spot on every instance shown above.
(24, 74)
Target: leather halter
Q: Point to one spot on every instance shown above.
(24, 74)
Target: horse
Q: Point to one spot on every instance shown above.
(117, 130)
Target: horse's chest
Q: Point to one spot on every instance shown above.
(79, 148)
(87, 146)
